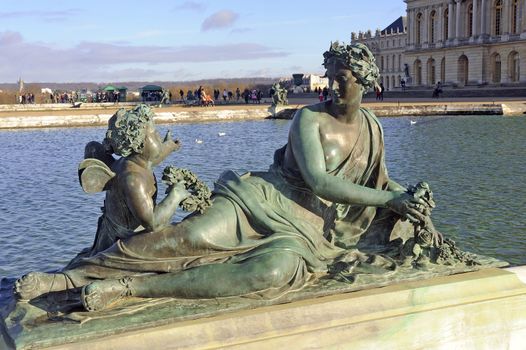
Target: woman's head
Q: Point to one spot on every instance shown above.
(127, 130)
(355, 57)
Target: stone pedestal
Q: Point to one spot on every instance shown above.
(476, 310)
(282, 111)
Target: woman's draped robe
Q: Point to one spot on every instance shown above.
(275, 211)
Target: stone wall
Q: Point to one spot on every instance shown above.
(63, 106)
(190, 116)
(426, 110)
(210, 115)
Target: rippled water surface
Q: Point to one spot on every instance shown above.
(475, 166)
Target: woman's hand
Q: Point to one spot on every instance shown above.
(408, 206)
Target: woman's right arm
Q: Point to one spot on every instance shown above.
(309, 155)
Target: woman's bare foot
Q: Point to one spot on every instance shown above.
(34, 284)
(100, 295)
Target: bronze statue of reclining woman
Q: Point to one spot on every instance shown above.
(266, 233)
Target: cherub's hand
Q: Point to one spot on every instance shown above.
(170, 143)
(178, 191)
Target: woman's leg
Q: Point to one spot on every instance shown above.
(198, 235)
(272, 270)
(215, 228)
(34, 284)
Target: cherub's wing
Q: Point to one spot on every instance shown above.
(94, 175)
(96, 150)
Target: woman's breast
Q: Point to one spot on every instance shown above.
(346, 151)
(336, 148)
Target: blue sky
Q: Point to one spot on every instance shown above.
(106, 41)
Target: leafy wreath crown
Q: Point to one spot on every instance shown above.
(358, 58)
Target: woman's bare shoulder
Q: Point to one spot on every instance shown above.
(319, 107)
(311, 113)
(304, 120)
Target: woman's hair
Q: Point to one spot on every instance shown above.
(358, 58)
(127, 130)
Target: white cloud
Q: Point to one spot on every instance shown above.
(241, 30)
(218, 20)
(90, 61)
(50, 16)
(191, 6)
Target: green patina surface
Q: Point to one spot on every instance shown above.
(324, 219)
(32, 327)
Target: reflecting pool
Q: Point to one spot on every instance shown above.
(474, 164)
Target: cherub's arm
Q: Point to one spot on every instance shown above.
(138, 198)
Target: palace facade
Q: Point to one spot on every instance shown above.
(388, 47)
(457, 42)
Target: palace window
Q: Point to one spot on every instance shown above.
(432, 18)
(446, 24)
(417, 67)
(496, 68)
(463, 70)
(497, 30)
(470, 21)
(418, 28)
(431, 72)
(513, 66)
(514, 16)
(443, 70)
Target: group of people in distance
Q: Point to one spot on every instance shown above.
(202, 98)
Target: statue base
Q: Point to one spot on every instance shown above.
(457, 309)
(477, 310)
(281, 112)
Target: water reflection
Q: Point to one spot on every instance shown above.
(474, 165)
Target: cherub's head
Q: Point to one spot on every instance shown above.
(127, 130)
(355, 57)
